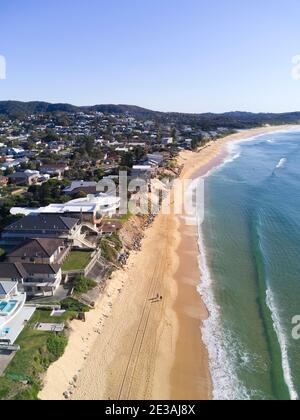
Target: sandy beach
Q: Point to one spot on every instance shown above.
(133, 347)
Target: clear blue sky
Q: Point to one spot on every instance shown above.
(170, 55)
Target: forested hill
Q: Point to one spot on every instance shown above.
(17, 107)
(207, 121)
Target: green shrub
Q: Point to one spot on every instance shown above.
(83, 284)
(115, 239)
(108, 251)
(74, 305)
(4, 393)
(56, 345)
(29, 394)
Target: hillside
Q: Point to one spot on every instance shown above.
(18, 107)
(234, 120)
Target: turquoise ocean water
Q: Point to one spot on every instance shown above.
(251, 258)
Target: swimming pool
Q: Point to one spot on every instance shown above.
(8, 306)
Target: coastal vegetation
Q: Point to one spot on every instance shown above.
(83, 284)
(108, 251)
(74, 306)
(110, 248)
(23, 377)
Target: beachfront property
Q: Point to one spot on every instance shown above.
(38, 244)
(90, 210)
(74, 232)
(39, 251)
(41, 226)
(13, 313)
(143, 171)
(38, 280)
(155, 159)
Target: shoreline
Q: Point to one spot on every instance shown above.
(130, 348)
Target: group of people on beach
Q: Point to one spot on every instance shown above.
(157, 298)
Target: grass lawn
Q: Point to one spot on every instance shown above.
(31, 361)
(77, 260)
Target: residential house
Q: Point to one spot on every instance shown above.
(24, 178)
(16, 152)
(13, 313)
(13, 163)
(108, 228)
(142, 171)
(39, 251)
(155, 159)
(81, 187)
(89, 210)
(55, 169)
(41, 226)
(34, 279)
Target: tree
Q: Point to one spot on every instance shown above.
(50, 135)
(9, 171)
(139, 153)
(174, 134)
(127, 160)
(87, 144)
(83, 284)
(98, 174)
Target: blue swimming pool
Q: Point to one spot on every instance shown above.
(8, 306)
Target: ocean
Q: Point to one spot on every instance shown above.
(250, 258)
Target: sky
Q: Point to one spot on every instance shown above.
(167, 55)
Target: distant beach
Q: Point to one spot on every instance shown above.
(132, 347)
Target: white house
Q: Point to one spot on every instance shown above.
(13, 313)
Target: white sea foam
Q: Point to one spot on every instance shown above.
(283, 342)
(226, 385)
(235, 151)
(234, 156)
(258, 136)
(281, 163)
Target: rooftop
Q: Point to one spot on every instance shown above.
(7, 287)
(90, 204)
(43, 222)
(12, 271)
(20, 271)
(39, 247)
(80, 184)
(41, 268)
